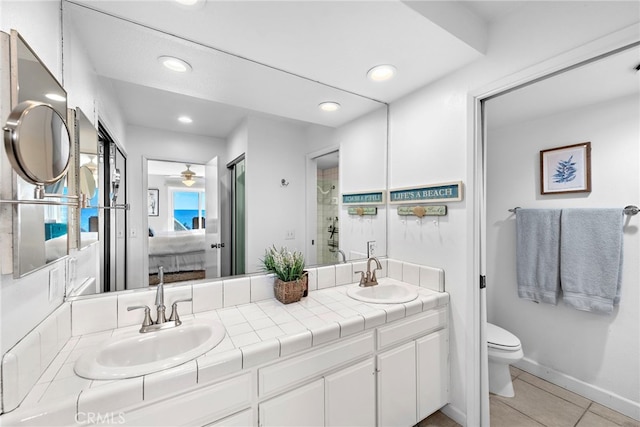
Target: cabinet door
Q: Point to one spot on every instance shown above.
(303, 406)
(397, 386)
(241, 419)
(433, 372)
(350, 396)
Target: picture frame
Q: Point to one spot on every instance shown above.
(153, 201)
(566, 169)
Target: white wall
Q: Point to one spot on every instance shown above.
(363, 166)
(145, 143)
(603, 351)
(276, 150)
(430, 142)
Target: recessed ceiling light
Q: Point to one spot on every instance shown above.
(189, 2)
(185, 119)
(381, 73)
(329, 106)
(174, 64)
(56, 97)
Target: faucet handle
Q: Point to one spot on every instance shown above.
(147, 314)
(174, 311)
(363, 280)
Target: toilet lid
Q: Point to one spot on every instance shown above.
(501, 338)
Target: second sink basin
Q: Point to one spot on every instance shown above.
(139, 354)
(387, 291)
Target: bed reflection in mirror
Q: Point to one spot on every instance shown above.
(177, 220)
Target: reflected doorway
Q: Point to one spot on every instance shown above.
(112, 223)
(327, 208)
(237, 172)
(178, 211)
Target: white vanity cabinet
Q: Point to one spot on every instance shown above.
(432, 362)
(350, 396)
(397, 398)
(395, 376)
(303, 406)
(344, 398)
(413, 378)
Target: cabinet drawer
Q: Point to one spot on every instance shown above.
(197, 407)
(412, 327)
(290, 372)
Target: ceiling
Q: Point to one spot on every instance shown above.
(268, 56)
(283, 58)
(609, 78)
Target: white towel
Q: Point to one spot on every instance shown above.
(537, 254)
(591, 243)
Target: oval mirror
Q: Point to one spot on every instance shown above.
(87, 182)
(37, 142)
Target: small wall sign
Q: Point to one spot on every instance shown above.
(421, 211)
(363, 211)
(449, 191)
(369, 198)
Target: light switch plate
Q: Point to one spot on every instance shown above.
(371, 248)
(53, 284)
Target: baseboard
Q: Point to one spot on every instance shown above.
(455, 414)
(606, 398)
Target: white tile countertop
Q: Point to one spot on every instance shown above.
(257, 333)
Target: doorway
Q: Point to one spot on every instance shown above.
(515, 127)
(112, 221)
(237, 201)
(327, 208)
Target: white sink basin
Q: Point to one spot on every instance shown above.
(387, 291)
(138, 354)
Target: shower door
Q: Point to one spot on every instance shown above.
(112, 222)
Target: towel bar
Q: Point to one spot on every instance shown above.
(628, 210)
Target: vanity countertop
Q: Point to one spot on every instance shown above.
(257, 333)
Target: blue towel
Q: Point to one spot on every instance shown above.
(591, 258)
(537, 254)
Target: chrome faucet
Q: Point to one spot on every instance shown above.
(161, 322)
(368, 278)
(344, 257)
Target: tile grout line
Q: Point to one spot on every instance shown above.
(519, 411)
(555, 395)
(583, 414)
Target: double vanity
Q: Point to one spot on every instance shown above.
(343, 355)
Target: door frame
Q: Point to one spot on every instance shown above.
(311, 210)
(477, 410)
(105, 135)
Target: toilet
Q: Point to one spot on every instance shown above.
(503, 350)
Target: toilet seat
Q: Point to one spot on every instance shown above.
(501, 339)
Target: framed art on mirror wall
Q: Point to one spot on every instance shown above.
(153, 201)
(566, 169)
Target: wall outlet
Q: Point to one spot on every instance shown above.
(290, 235)
(371, 248)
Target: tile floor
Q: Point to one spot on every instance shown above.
(539, 403)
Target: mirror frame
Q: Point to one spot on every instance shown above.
(16, 126)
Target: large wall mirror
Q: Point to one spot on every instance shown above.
(272, 165)
(38, 144)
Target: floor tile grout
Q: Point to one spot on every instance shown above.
(556, 396)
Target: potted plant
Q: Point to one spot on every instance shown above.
(290, 277)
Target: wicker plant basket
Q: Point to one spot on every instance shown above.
(288, 292)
